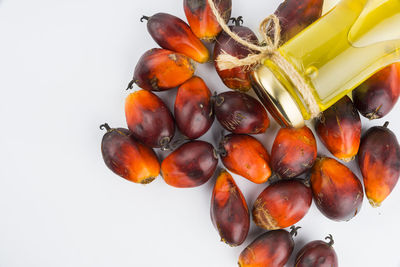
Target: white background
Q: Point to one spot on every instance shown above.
(64, 66)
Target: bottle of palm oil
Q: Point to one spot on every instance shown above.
(334, 55)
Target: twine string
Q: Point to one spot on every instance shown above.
(267, 51)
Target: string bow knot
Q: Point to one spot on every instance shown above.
(269, 46)
(267, 51)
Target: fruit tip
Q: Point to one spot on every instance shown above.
(347, 160)
(374, 204)
(147, 180)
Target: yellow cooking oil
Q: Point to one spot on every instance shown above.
(343, 48)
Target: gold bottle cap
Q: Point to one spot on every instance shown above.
(276, 98)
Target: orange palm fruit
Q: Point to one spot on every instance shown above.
(379, 161)
(127, 157)
(174, 34)
(296, 15)
(202, 20)
(237, 78)
(317, 253)
(282, 204)
(161, 69)
(294, 151)
(339, 129)
(377, 96)
(193, 108)
(191, 165)
(229, 212)
(272, 249)
(246, 156)
(337, 191)
(149, 119)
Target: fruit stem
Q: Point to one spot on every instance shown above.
(294, 230)
(221, 149)
(144, 18)
(274, 178)
(238, 21)
(386, 124)
(331, 241)
(168, 145)
(218, 100)
(131, 83)
(213, 98)
(105, 126)
(164, 143)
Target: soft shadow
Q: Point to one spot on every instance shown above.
(210, 184)
(218, 133)
(254, 232)
(299, 244)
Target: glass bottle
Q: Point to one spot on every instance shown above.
(334, 55)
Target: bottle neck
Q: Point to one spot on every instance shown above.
(273, 89)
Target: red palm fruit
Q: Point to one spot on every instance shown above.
(240, 113)
(339, 129)
(379, 161)
(193, 108)
(317, 253)
(191, 165)
(174, 34)
(229, 212)
(272, 249)
(246, 156)
(128, 158)
(202, 20)
(149, 119)
(296, 15)
(294, 152)
(282, 204)
(377, 96)
(337, 191)
(161, 69)
(236, 78)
